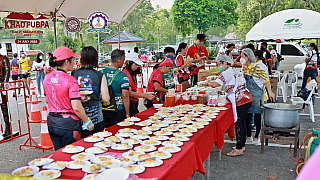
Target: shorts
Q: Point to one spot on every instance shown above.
(15, 77)
(25, 76)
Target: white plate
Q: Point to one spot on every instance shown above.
(202, 123)
(96, 150)
(170, 128)
(133, 119)
(141, 157)
(84, 156)
(179, 138)
(151, 148)
(158, 133)
(160, 138)
(100, 159)
(124, 134)
(170, 149)
(54, 166)
(34, 169)
(140, 136)
(197, 126)
(143, 132)
(179, 125)
(208, 117)
(115, 163)
(72, 165)
(125, 124)
(124, 161)
(131, 153)
(91, 139)
(113, 139)
(185, 121)
(143, 125)
(91, 177)
(182, 134)
(39, 175)
(137, 170)
(114, 174)
(103, 134)
(41, 162)
(211, 114)
(86, 168)
(167, 143)
(103, 145)
(131, 141)
(222, 108)
(168, 121)
(121, 147)
(127, 130)
(166, 156)
(160, 124)
(151, 128)
(152, 121)
(158, 162)
(73, 150)
(188, 130)
(156, 143)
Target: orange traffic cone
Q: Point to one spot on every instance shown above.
(139, 85)
(35, 110)
(32, 89)
(45, 140)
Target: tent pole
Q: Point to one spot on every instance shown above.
(54, 28)
(119, 35)
(98, 42)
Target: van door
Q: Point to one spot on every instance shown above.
(292, 56)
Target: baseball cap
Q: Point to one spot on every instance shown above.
(62, 53)
(134, 57)
(167, 62)
(270, 47)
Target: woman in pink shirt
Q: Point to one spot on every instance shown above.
(64, 100)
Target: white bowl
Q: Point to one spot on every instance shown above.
(157, 106)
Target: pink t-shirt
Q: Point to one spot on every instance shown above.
(144, 58)
(60, 88)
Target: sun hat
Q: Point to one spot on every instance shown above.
(62, 53)
(134, 57)
(167, 62)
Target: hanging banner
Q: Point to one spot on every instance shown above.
(72, 24)
(98, 21)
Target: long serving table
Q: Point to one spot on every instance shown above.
(181, 165)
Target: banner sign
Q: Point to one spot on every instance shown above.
(98, 21)
(72, 24)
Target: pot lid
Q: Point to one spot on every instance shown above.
(281, 106)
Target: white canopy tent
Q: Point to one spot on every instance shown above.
(288, 24)
(117, 10)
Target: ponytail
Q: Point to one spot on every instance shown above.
(54, 63)
(182, 45)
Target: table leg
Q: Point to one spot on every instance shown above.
(220, 154)
(207, 168)
(262, 141)
(296, 144)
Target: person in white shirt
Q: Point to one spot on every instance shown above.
(38, 66)
(223, 49)
(275, 62)
(311, 67)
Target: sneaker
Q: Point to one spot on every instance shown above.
(42, 96)
(38, 96)
(249, 140)
(256, 142)
(19, 95)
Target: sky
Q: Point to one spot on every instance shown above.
(163, 3)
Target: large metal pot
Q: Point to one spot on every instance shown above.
(281, 115)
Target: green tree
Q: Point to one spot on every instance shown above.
(203, 14)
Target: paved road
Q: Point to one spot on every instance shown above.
(276, 161)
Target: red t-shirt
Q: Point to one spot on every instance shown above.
(156, 76)
(132, 84)
(194, 53)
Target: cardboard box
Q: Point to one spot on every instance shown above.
(202, 75)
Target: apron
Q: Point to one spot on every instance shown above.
(232, 98)
(256, 92)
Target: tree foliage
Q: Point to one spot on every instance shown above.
(203, 14)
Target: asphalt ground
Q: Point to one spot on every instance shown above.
(274, 163)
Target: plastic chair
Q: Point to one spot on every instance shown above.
(282, 86)
(292, 81)
(299, 100)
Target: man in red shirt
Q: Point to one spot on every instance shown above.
(199, 54)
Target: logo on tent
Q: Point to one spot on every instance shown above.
(98, 22)
(292, 24)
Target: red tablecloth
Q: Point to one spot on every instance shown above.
(183, 164)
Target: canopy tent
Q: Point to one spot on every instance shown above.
(291, 24)
(125, 37)
(117, 10)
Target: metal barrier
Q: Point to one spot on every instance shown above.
(5, 92)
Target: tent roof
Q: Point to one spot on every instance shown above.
(287, 24)
(125, 37)
(214, 39)
(117, 10)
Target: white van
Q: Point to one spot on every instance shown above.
(292, 53)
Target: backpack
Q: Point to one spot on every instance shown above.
(111, 105)
(279, 57)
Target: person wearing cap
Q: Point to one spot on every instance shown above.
(155, 83)
(38, 66)
(120, 86)
(132, 64)
(275, 62)
(94, 82)
(234, 84)
(64, 101)
(199, 55)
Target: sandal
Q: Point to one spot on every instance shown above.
(235, 152)
(243, 148)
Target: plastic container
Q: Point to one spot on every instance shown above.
(201, 97)
(170, 100)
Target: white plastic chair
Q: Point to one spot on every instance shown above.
(282, 86)
(298, 100)
(293, 83)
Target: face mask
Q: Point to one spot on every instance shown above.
(242, 61)
(171, 57)
(220, 68)
(23, 55)
(263, 49)
(40, 57)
